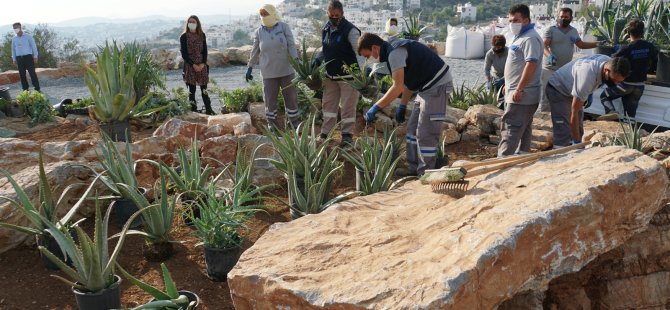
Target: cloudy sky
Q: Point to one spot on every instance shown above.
(53, 11)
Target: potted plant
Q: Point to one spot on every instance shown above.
(92, 276)
(190, 178)
(44, 210)
(375, 162)
(147, 72)
(301, 149)
(609, 25)
(118, 168)
(171, 298)
(362, 81)
(218, 226)
(112, 86)
(308, 70)
(663, 42)
(414, 29)
(157, 220)
(36, 105)
(234, 101)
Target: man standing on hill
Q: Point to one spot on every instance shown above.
(571, 86)
(522, 83)
(559, 46)
(414, 68)
(639, 53)
(24, 55)
(340, 47)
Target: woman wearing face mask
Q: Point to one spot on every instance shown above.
(273, 44)
(391, 30)
(196, 70)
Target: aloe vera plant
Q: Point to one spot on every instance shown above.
(158, 217)
(363, 82)
(631, 136)
(171, 298)
(375, 161)
(307, 70)
(611, 21)
(93, 265)
(414, 29)
(192, 179)
(45, 211)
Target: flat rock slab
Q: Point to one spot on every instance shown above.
(514, 231)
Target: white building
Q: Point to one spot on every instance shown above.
(538, 10)
(467, 12)
(395, 4)
(414, 4)
(375, 23)
(575, 5)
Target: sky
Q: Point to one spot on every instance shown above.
(53, 11)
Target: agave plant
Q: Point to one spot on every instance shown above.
(147, 72)
(375, 162)
(93, 266)
(221, 217)
(631, 136)
(192, 178)
(44, 212)
(112, 86)
(171, 298)
(300, 148)
(413, 26)
(308, 70)
(118, 168)
(611, 21)
(157, 219)
(459, 97)
(365, 83)
(482, 95)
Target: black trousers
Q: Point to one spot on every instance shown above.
(24, 63)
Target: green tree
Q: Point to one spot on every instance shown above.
(6, 53)
(71, 51)
(240, 37)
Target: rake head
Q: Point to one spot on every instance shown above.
(455, 189)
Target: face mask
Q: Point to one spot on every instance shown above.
(269, 21)
(515, 28)
(393, 30)
(17, 30)
(192, 26)
(565, 22)
(498, 50)
(334, 21)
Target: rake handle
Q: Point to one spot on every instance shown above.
(527, 158)
(468, 166)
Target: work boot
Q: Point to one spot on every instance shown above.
(208, 104)
(347, 141)
(404, 172)
(613, 116)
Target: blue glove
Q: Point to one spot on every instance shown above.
(551, 60)
(370, 114)
(248, 76)
(400, 113)
(575, 141)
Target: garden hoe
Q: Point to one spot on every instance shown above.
(452, 181)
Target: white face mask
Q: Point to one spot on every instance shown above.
(392, 30)
(17, 30)
(515, 28)
(269, 21)
(192, 26)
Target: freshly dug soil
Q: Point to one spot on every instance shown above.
(26, 284)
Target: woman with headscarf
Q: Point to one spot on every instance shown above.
(273, 44)
(196, 70)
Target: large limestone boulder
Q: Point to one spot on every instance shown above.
(9, 77)
(514, 231)
(483, 116)
(165, 58)
(229, 120)
(71, 69)
(237, 55)
(60, 176)
(215, 58)
(48, 73)
(177, 127)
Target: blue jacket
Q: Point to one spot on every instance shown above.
(336, 47)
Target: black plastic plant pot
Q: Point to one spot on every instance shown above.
(109, 298)
(50, 244)
(117, 130)
(125, 208)
(663, 67)
(441, 161)
(16, 110)
(191, 209)
(220, 262)
(190, 295)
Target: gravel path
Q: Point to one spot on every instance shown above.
(470, 71)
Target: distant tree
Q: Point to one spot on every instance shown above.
(240, 37)
(71, 51)
(6, 53)
(46, 41)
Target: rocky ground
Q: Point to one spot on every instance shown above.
(459, 238)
